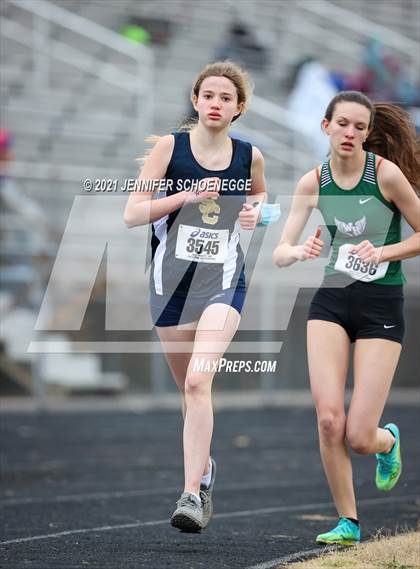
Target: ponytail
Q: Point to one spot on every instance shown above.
(393, 136)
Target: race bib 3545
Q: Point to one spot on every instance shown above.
(201, 245)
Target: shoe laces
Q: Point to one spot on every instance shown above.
(342, 527)
(386, 463)
(204, 497)
(188, 501)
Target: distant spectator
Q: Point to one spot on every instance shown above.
(308, 99)
(243, 47)
(28, 228)
(5, 151)
(382, 76)
(136, 34)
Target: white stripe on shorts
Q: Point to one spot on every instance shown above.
(161, 233)
(229, 266)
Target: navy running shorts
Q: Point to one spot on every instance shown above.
(185, 308)
(364, 310)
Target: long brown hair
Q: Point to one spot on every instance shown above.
(392, 133)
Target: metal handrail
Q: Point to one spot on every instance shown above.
(85, 27)
(71, 56)
(38, 39)
(27, 170)
(354, 22)
(272, 111)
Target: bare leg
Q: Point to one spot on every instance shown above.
(178, 362)
(209, 346)
(375, 361)
(328, 355)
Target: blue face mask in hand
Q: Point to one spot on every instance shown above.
(270, 213)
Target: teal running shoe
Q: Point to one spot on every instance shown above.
(345, 533)
(389, 465)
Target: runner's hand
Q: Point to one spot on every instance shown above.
(312, 247)
(249, 216)
(368, 253)
(208, 188)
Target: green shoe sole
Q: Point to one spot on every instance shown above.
(389, 486)
(338, 542)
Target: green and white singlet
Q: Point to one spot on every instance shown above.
(358, 214)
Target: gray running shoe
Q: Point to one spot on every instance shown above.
(206, 496)
(188, 516)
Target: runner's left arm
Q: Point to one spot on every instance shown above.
(251, 214)
(396, 189)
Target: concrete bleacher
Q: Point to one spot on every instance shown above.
(79, 119)
(400, 16)
(76, 99)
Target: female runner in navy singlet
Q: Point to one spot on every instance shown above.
(215, 186)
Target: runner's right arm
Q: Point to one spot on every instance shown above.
(141, 209)
(304, 200)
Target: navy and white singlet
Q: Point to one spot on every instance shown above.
(196, 254)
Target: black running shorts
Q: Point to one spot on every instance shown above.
(364, 310)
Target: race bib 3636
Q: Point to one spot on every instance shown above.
(351, 264)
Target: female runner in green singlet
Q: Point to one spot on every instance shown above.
(362, 190)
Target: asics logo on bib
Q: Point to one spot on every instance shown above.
(361, 202)
(352, 229)
(204, 234)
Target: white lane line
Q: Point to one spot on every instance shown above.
(303, 507)
(118, 494)
(238, 514)
(83, 497)
(8, 502)
(298, 556)
(87, 530)
(305, 553)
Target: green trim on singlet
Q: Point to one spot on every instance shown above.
(359, 213)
